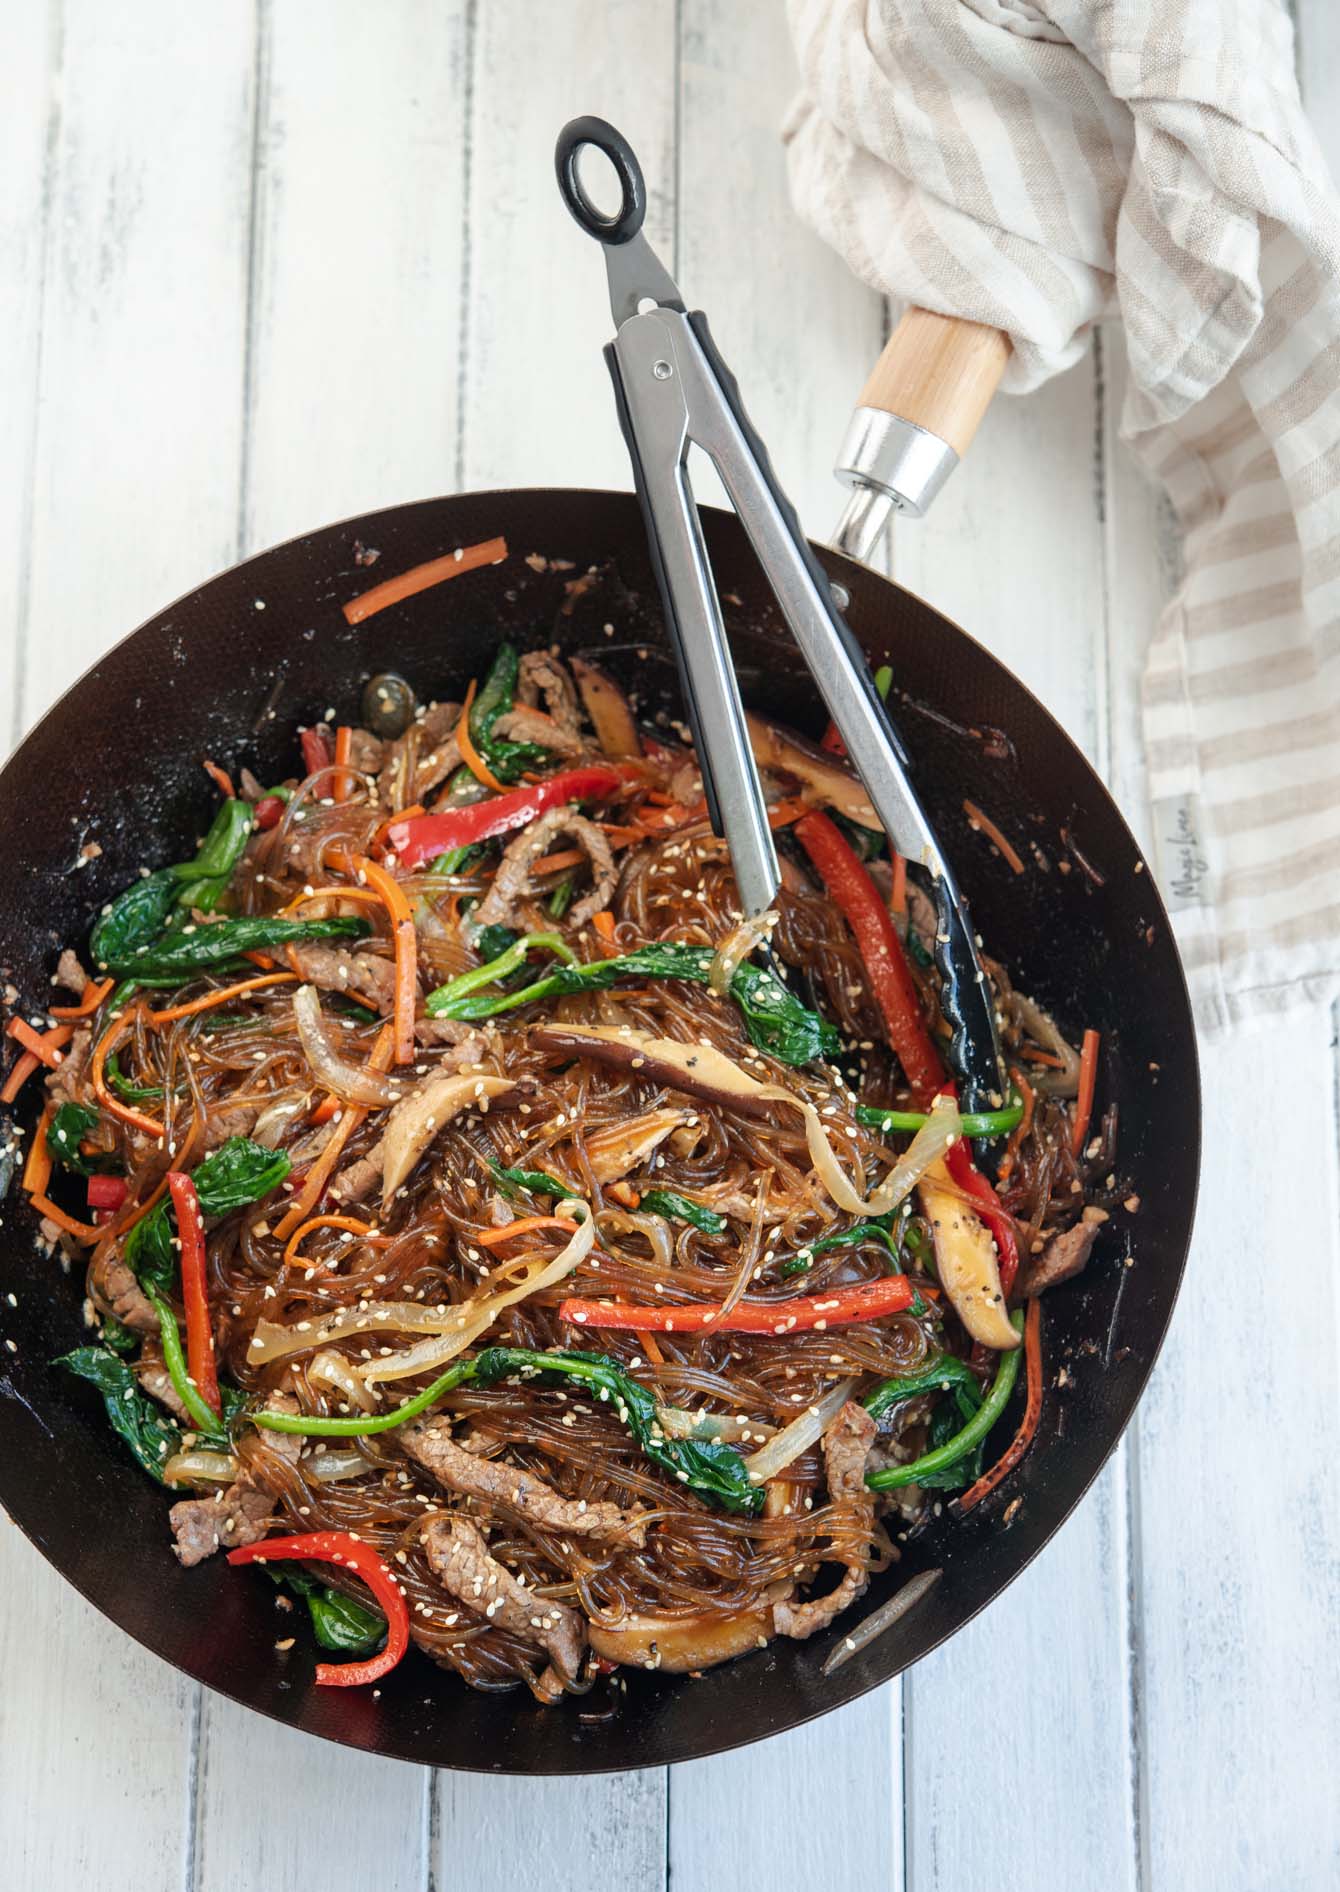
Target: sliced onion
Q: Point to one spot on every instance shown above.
(200, 1468)
(1042, 1027)
(474, 1317)
(271, 1341)
(731, 954)
(275, 1119)
(330, 1468)
(787, 1445)
(733, 1427)
(654, 1228)
(332, 1369)
(943, 1126)
(353, 1083)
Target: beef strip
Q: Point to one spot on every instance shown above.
(363, 976)
(1062, 1257)
(423, 757)
(846, 1444)
(239, 1515)
(155, 1379)
(460, 1560)
(524, 724)
(65, 1085)
(117, 1292)
(512, 886)
(540, 673)
(70, 974)
(430, 1444)
(366, 751)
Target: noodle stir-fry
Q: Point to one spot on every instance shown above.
(513, 1250)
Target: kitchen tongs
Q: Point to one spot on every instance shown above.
(674, 391)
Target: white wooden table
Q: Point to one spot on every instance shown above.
(265, 265)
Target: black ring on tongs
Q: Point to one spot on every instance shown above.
(626, 223)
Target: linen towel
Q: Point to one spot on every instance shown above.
(1038, 165)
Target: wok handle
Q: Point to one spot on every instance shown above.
(917, 414)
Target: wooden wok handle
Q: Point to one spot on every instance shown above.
(918, 412)
(939, 373)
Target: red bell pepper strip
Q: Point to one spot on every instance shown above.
(318, 748)
(857, 899)
(338, 1547)
(871, 1300)
(194, 1294)
(107, 1192)
(424, 837)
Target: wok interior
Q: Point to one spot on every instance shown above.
(230, 671)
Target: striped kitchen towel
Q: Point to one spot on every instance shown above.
(1036, 164)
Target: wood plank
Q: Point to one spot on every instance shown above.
(91, 1725)
(536, 408)
(357, 297)
(1239, 1511)
(540, 1835)
(143, 298)
(800, 333)
(355, 302)
(27, 135)
(135, 477)
(796, 327)
(821, 1806)
(1014, 552)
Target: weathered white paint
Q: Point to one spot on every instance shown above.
(258, 269)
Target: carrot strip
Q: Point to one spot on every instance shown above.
(82, 1231)
(18, 1077)
(1088, 1073)
(422, 577)
(465, 743)
(37, 1169)
(525, 1226)
(94, 993)
(783, 813)
(221, 997)
(1024, 1125)
(112, 1104)
(898, 896)
(552, 863)
(344, 742)
(605, 925)
(1034, 1056)
(263, 960)
(221, 779)
(319, 1174)
(350, 1223)
(405, 940)
(976, 819)
(44, 1045)
(652, 1351)
(325, 1110)
(364, 895)
(1028, 1425)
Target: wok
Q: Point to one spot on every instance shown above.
(117, 761)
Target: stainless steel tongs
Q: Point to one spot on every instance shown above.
(674, 391)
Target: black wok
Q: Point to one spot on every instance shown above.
(229, 671)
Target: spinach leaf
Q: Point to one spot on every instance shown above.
(492, 941)
(709, 1467)
(66, 1131)
(874, 1231)
(506, 759)
(237, 1173)
(946, 1421)
(180, 954)
(533, 1181)
(943, 1371)
(120, 1339)
(677, 1208)
(338, 1622)
(139, 915)
(134, 918)
(151, 1435)
(774, 1019)
(562, 896)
